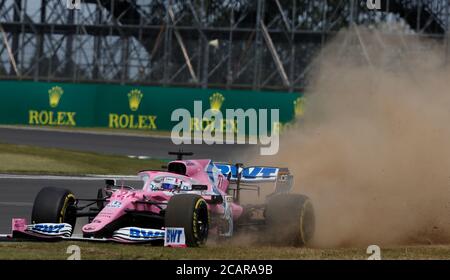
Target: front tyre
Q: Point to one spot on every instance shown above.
(189, 211)
(54, 205)
(290, 219)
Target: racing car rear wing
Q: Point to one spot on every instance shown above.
(282, 178)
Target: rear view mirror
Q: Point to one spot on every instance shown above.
(199, 187)
(110, 182)
(216, 199)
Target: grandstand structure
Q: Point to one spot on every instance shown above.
(251, 44)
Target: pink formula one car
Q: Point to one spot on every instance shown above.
(199, 197)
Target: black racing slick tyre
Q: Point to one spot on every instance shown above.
(54, 205)
(189, 211)
(290, 219)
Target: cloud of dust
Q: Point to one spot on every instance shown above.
(372, 150)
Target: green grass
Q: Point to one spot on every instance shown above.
(36, 160)
(34, 250)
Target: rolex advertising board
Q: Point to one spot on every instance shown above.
(47, 104)
(130, 107)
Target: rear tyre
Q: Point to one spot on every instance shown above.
(54, 205)
(290, 219)
(189, 211)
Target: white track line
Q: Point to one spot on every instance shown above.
(185, 139)
(87, 177)
(125, 134)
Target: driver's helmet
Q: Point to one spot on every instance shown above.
(168, 186)
(170, 183)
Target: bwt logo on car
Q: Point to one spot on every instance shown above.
(48, 228)
(248, 173)
(173, 235)
(146, 234)
(114, 204)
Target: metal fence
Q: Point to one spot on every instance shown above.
(254, 44)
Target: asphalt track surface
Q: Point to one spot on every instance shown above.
(121, 144)
(17, 193)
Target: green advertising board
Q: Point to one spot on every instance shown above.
(128, 107)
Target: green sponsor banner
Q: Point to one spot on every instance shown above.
(130, 107)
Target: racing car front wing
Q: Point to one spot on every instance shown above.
(63, 231)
